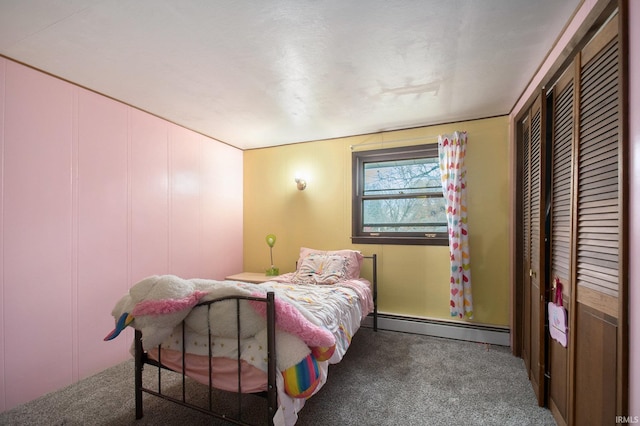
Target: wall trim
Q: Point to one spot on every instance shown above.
(471, 332)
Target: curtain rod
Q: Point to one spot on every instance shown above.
(425, 138)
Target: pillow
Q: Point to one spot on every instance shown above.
(318, 268)
(353, 259)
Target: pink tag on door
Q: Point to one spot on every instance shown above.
(558, 317)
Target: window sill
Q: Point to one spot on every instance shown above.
(407, 241)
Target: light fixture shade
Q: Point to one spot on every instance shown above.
(271, 240)
(301, 183)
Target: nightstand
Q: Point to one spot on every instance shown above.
(250, 277)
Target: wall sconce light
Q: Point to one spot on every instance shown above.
(302, 184)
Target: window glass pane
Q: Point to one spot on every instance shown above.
(421, 175)
(397, 196)
(404, 215)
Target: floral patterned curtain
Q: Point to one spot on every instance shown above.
(451, 150)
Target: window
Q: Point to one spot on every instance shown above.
(397, 197)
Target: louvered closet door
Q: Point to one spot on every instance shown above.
(526, 240)
(598, 227)
(560, 232)
(533, 262)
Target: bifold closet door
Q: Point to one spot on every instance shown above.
(586, 381)
(598, 226)
(560, 233)
(533, 260)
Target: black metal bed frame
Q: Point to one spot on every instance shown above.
(141, 358)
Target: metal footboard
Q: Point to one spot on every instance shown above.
(142, 358)
(374, 284)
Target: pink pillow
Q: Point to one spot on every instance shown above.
(353, 259)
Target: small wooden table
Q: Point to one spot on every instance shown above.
(250, 277)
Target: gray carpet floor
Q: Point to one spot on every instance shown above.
(386, 378)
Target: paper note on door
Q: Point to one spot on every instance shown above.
(558, 323)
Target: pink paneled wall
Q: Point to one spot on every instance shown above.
(37, 234)
(96, 195)
(3, 66)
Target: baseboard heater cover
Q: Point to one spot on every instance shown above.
(448, 329)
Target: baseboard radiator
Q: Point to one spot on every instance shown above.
(493, 335)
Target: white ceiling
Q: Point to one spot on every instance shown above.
(265, 73)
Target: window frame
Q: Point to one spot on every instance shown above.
(358, 160)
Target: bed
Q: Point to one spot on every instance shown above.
(274, 339)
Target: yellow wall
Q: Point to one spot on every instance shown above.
(413, 280)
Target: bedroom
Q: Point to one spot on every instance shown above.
(158, 217)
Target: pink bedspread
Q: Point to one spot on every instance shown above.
(224, 370)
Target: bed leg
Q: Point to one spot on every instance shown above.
(138, 375)
(375, 291)
(272, 396)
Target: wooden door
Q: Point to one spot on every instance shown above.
(525, 245)
(587, 381)
(599, 267)
(563, 135)
(533, 159)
